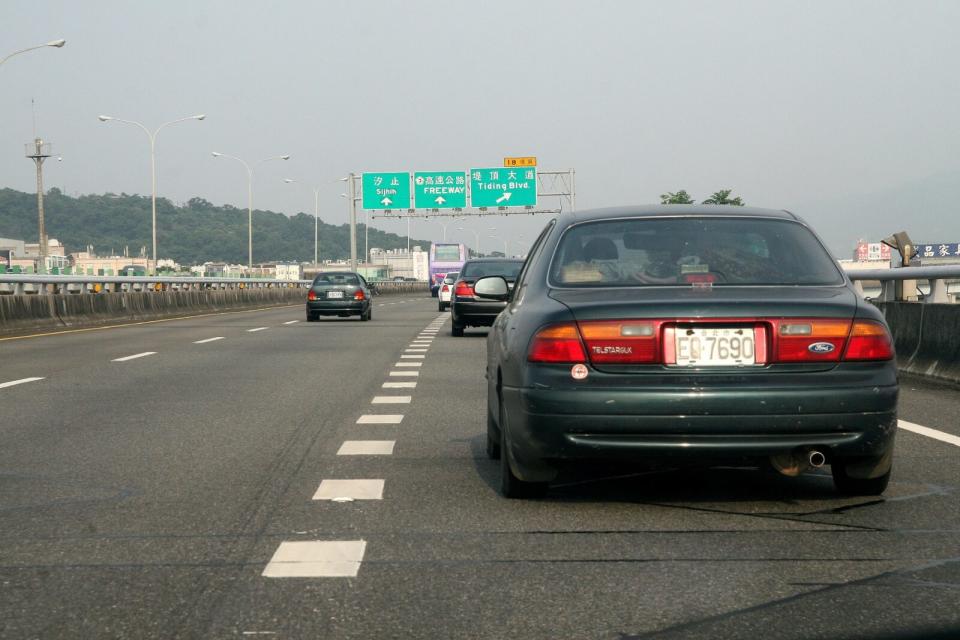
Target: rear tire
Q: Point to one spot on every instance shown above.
(311, 317)
(493, 438)
(366, 315)
(456, 331)
(439, 306)
(851, 486)
(510, 485)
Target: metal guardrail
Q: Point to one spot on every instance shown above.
(32, 283)
(901, 284)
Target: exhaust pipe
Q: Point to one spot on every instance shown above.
(816, 459)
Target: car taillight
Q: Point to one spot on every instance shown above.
(446, 288)
(312, 295)
(621, 341)
(811, 340)
(558, 343)
(359, 295)
(464, 289)
(869, 341)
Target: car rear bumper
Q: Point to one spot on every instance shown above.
(547, 426)
(337, 306)
(475, 314)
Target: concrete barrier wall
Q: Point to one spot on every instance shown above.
(927, 338)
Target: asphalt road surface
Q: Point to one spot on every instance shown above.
(190, 492)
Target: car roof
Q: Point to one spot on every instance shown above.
(493, 260)
(674, 210)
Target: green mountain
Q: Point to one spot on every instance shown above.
(194, 233)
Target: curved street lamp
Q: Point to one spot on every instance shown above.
(53, 43)
(152, 136)
(249, 168)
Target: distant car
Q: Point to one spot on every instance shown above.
(674, 333)
(339, 293)
(446, 290)
(466, 310)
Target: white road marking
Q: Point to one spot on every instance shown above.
(292, 322)
(352, 489)
(257, 329)
(13, 383)
(408, 364)
(415, 350)
(366, 448)
(391, 400)
(930, 433)
(404, 373)
(208, 340)
(371, 418)
(316, 559)
(419, 356)
(399, 385)
(135, 356)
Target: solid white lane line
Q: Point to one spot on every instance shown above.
(399, 385)
(292, 322)
(366, 448)
(408, 364)
(404, 373)
(208, 340)
(135, 356)
(371, 418)
(347, 490)
(391, 400)
(419, 356)
(316, 559)
(930, 433)
(13, 383)
(257, 329)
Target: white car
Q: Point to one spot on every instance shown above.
(446, 290)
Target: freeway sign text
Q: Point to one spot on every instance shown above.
(386, 190)
(440, 189)
(503, 187)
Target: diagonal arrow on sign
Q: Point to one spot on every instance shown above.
(505, 197)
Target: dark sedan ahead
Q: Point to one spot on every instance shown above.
(466, 310)
(339, 293)
(716, 333)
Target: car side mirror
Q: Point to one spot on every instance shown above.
(492, 288)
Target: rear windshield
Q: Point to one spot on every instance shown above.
(506, 268)
(452, 277)
(337, 278)
(688, 251)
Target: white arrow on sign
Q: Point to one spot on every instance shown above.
(440, 200)
(386, 202)
(505, 197)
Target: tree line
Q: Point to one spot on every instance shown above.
(196, 232)
(718, 197)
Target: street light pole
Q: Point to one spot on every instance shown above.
(249, 168)
(351, 196)
(152, 136)
(316, 221)
(476, 237)
(505, 243)
(53, 43)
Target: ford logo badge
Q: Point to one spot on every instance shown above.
(821, 347)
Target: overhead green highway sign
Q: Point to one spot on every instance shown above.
(440, 190)
(386, 190)
(503, 187)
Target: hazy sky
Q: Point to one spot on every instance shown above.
(820, 107)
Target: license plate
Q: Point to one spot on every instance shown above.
(334, 294)
(720, 347)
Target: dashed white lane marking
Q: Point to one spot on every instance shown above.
(391, 399)
(346, 490)
(13, 383)
(208, 340)
(415, 350)
(370, 418)
(316, 559)
(399, 385)
(930, 433)
(292, 322)
(419, 356)
(135, 356)
(404, 373)
(366, 448)
(408, 364)
(257, 329)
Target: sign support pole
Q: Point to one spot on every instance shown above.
(352, 197)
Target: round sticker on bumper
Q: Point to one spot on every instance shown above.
(579, 371)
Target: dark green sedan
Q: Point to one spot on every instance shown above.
(674, 332)
(339, 293)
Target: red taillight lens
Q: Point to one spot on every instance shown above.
(359, 295)
(464, 289)
(869, 341)
(621, 341)
(811, 340)
(312, 295)
(446, 288)
(557, 343)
